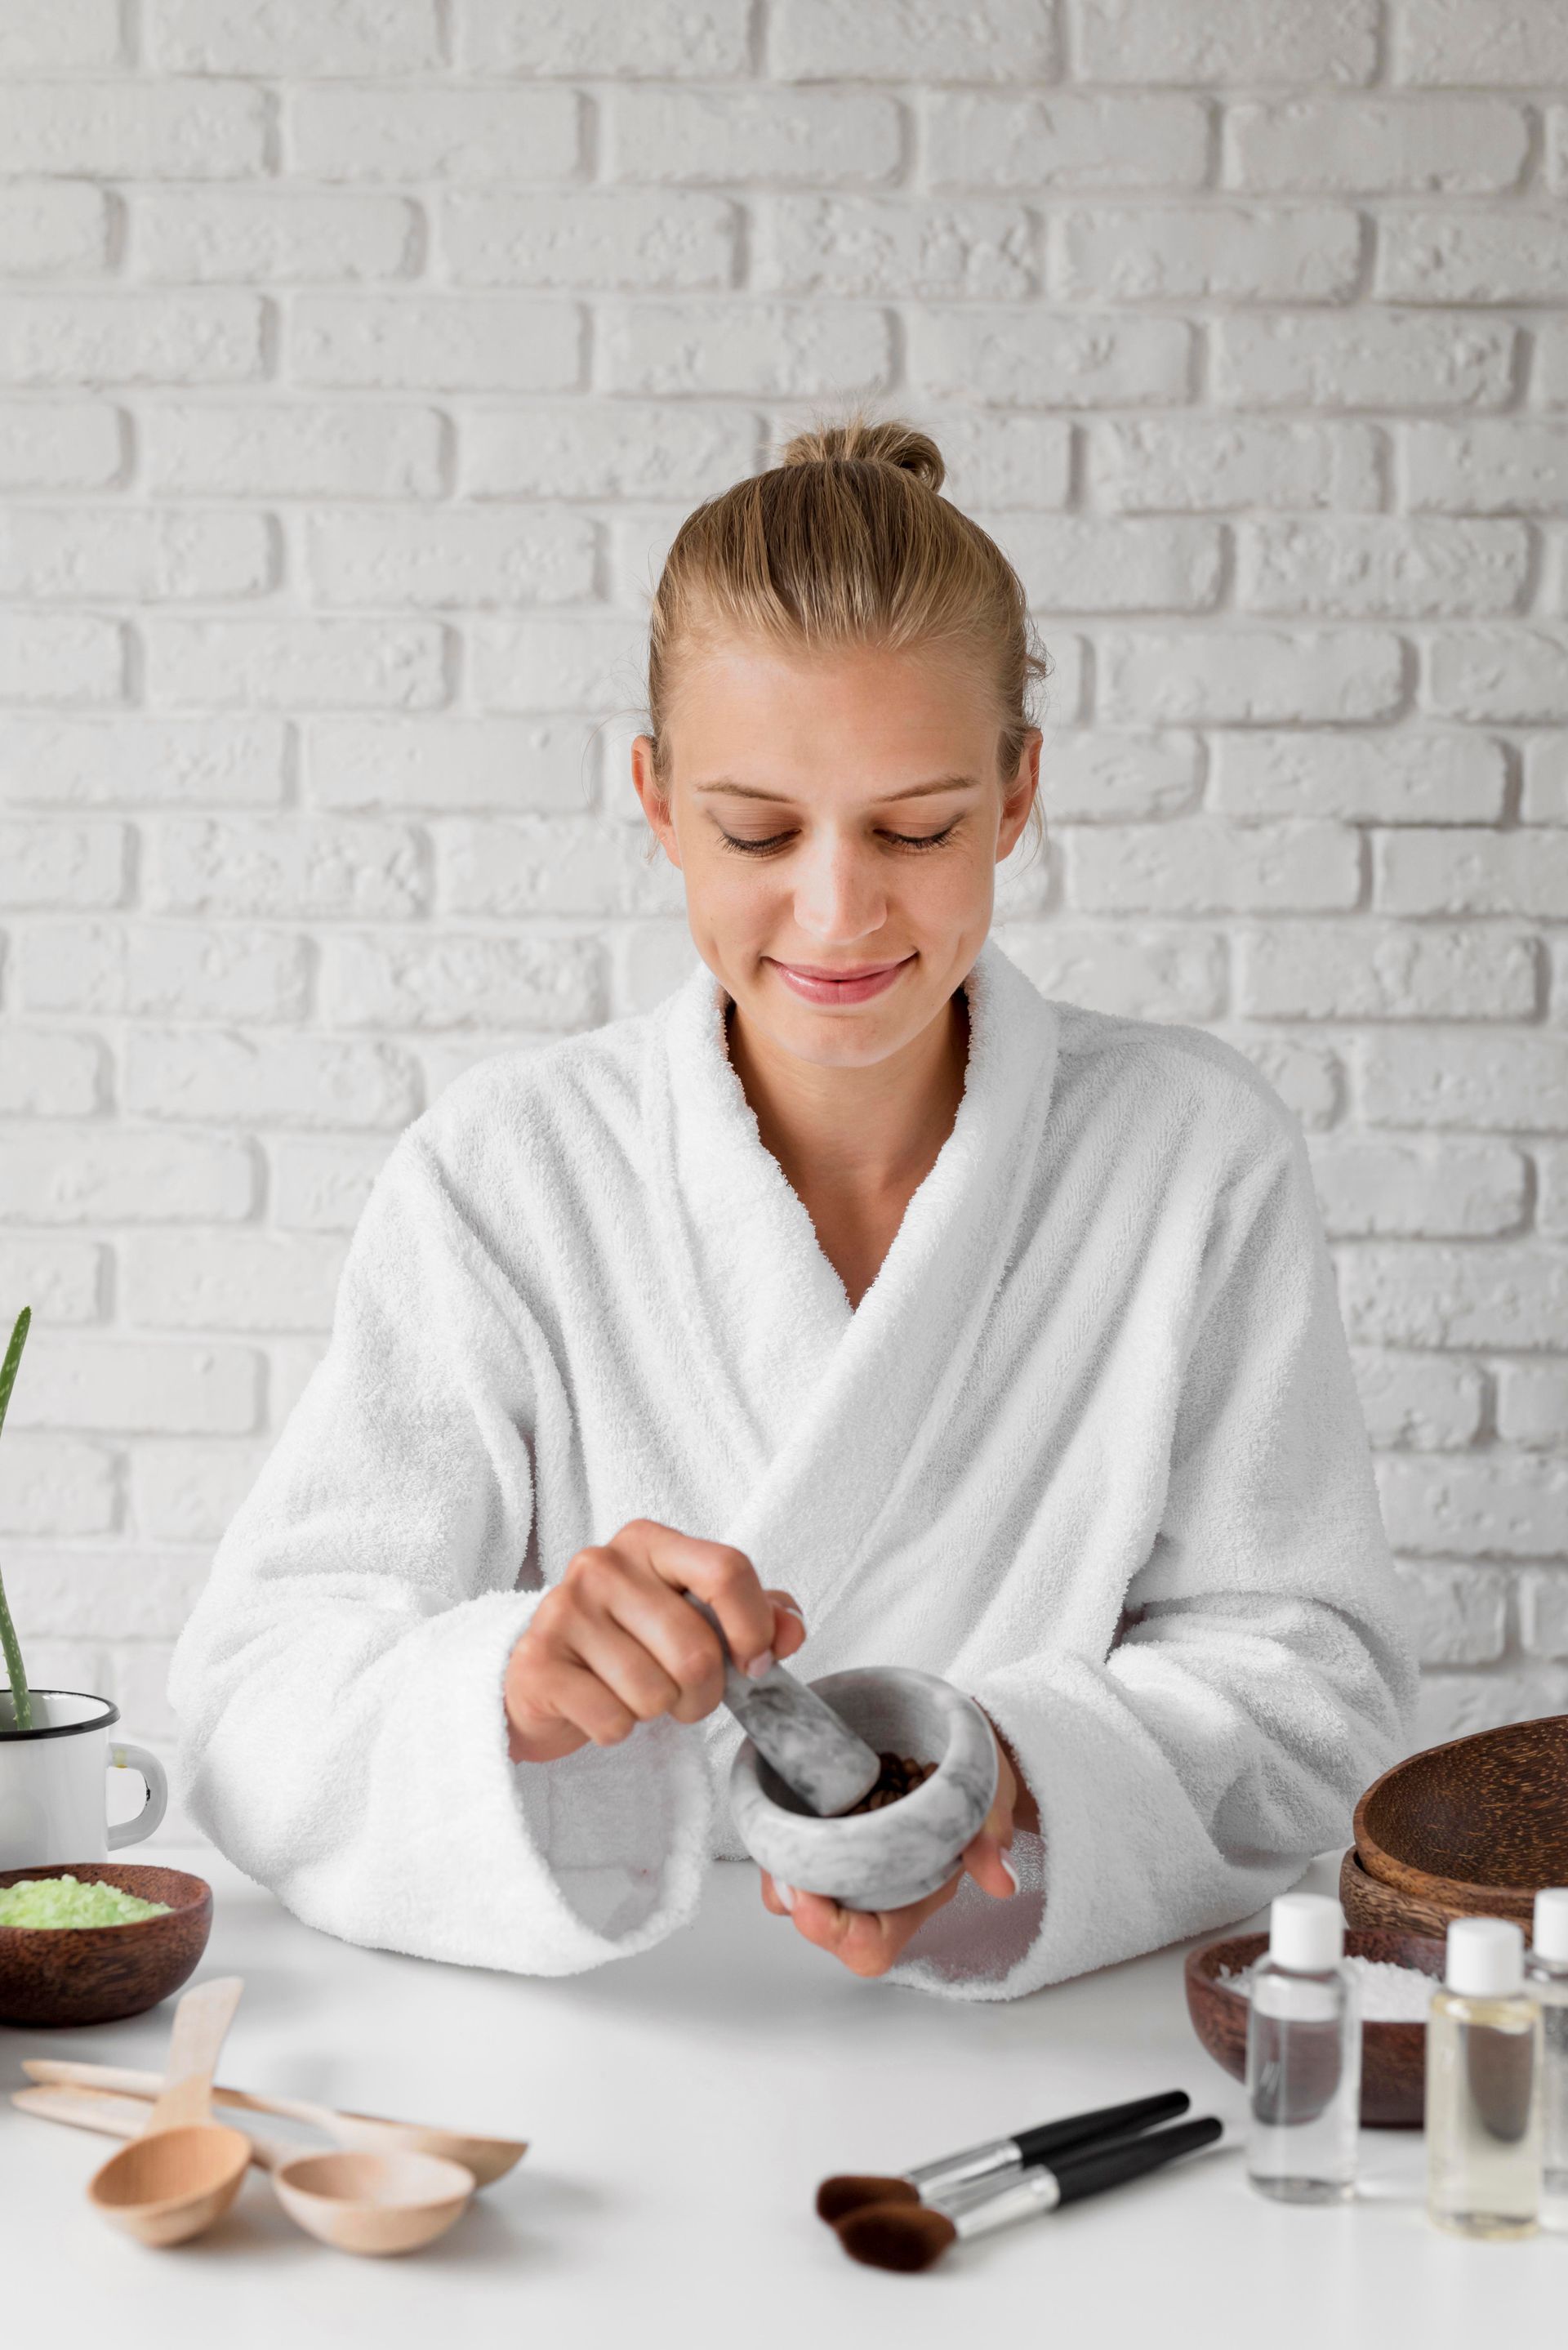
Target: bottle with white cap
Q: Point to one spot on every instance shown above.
(1483, 2101)
(1547, 1974)
(1303, 2056)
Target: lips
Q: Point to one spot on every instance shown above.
(831, 987)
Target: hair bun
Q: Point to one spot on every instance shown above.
(860, 440)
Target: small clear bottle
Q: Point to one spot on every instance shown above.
(1547, 1974)
(1483, 2101)
(1303, 2056)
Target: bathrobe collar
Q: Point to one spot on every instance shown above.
(787, 1364)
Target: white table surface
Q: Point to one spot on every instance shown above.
(682, 2108)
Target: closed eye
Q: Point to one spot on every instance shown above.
(777, 840)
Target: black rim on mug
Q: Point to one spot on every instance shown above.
(111, 1714)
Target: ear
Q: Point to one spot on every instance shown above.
(655, 806)
(1017, 796)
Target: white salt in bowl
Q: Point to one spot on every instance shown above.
(884, 1859)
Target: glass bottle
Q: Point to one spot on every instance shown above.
(1483, 2103)
(1303, 2056)
(1547, 1975)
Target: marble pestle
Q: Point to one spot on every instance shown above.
(813, 1749)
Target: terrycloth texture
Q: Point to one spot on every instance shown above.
(1090, 1447)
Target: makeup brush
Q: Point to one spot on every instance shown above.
(813, 1749)
(999, 2158)
(911, 2236)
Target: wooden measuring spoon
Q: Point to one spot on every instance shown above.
(357, 2201)
(489, 2158)
(184, 2170)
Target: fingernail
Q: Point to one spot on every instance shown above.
(760, 1665)
(788, 1607)
(785, 1893)
(1012, 1871)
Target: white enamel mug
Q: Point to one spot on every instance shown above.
(53, 1790)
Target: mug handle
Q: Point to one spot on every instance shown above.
(126, 1757)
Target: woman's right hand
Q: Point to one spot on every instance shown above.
(614, 1643)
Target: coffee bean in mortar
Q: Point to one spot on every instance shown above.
(900, 1775)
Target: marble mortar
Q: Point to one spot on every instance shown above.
(884, 1859)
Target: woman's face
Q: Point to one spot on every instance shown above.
(838, 819)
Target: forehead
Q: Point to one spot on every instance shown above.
(790, 711)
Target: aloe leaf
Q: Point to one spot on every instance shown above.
(21, 1700)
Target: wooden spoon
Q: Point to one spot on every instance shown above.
(357, 2201)
(488, 2159)
(184, 2170)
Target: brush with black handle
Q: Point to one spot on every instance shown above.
(913, 2236)
(1000, 2159)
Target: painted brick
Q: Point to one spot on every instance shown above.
(1309, 1078)
(1458, 1615)
(451, 558)
(67, 35)
(56, 1485)
(1066, 142)
(250, 236)
(1551, 1176)
(122, 1175)
(470, 342)
(1241, 676)
(1222, 253)
(1228, 41)
(1381, 567)
(232, 1281)
(48, 225)
(60, 445)
(62, 1280)
(1365, 971)
(665, 38)
(1194, 866)
(73, 658)
(44, 1074)
(602, 452)
(44, 864)
(98, 338)
(1080, 563)
(320, 1182)
(1488, 1505)
(1549, 373)
(1459, 1078)
(104, 1594)
(1517, 675)
(457, 763)
(133, 1387)
(590, 661)
(1108, 778)
(187, 1492)
(785, 138)
(1511, 256)
(1202, 464)
(1514, 465)
(136, 761)
(1038, 358)
(1369, 146)
(133, 128)
(798, 350)
(1455, 1705)
(432, 133)
(292, 664)
(1470, 870)
(930, 40)
(279, 1079)
(1509, 1293)
(133, 554)
(1375, 1186)
(1418, 1403)
(141, 1676)
(1543, 1612)
(280, 868)
(293, 37)
(1470, 41)
(456, 981)
(343, 449)
(1019, 463)
(1137, 972)
(506, 236)
(164, 971)
(552, 865)
(1400, 360)
(1532, 1404)
(1396, 777)
(889, 246)
(290, 1363)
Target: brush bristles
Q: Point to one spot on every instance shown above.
(897, 2236)
(836, 2198)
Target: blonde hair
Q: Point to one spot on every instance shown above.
(846, 541)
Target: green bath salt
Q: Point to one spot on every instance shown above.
(67, 1901)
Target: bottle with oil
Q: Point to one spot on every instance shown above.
(1483, 2085)
(1303, 2056)
(1548, 1979)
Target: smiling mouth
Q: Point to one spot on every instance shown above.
(864, 971)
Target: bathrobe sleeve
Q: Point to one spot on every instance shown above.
(1264, 1676)
(338, 1685)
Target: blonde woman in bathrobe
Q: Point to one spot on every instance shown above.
(905, 1313)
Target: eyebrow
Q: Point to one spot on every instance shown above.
(915, 791)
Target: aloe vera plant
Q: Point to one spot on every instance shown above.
(21, 1703)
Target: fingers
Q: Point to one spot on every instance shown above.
(987, 1862)
(789, 1625)
(868, 1941)
(722, 1576)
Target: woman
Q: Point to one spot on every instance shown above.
(855, 1284)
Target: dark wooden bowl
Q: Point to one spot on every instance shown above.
(1392, 2055)
(1377, 1909)
(1473, 1828)
(95, 1974)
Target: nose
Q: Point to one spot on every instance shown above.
(839, 895)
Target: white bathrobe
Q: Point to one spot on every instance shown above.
(1089, 1447)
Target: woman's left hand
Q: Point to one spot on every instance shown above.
(869, 1941)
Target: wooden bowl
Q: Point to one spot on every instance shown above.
(1376, 1909)
(1473, 1828)
(1392, 2055)
(59, 1975)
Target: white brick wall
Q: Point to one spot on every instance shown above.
(358, 360)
